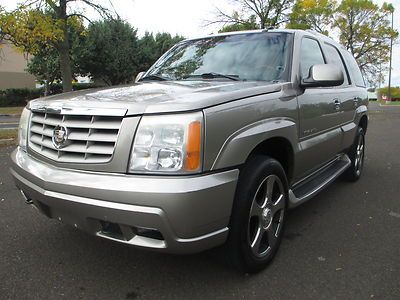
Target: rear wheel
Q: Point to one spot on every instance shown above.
(258, 214)
(356, 155)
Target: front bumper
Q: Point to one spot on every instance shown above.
(176, 214)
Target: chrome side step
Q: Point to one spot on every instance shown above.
(318, 181)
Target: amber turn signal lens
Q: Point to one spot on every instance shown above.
(193, 147)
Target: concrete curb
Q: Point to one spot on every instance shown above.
(389, 105)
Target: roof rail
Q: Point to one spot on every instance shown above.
(315, 32)
(325, 38)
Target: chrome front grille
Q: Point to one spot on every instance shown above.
(90, 138)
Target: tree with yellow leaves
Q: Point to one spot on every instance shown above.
(44, 23)
(253, 13)
(362, 27)
(312, 14)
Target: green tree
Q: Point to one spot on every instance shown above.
(110, 52)
(265, 13)
(45, 64)
(151, 47)
(164, 41)
(364, 29)
(312, 14)
(251, 24)
(146, 52)
(47, 22)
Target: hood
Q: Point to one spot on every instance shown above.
(156, 97)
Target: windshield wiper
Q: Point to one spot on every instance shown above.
(154, 77)
(212, 75)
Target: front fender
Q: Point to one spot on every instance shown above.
(239, 145)
(361, 110)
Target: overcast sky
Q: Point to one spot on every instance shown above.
(186, 17)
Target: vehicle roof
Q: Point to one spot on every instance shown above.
(318, 35)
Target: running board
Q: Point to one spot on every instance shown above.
(318, 181)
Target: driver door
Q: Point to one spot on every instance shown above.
(319, 131)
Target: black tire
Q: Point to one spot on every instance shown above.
(260, 172)
(356, 155)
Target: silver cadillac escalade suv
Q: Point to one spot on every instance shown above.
(209, 147)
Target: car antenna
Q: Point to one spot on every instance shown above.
(270, 28)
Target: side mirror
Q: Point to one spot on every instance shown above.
(139, 76)
(325, 75)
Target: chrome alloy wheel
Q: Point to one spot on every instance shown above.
(359, 157)
(266, 216)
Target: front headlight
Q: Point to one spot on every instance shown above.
(168, 143)
(23, 128)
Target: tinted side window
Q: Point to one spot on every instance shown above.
(310, 54)
(333, 56)
(353, 69)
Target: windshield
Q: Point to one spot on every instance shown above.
(252, 56)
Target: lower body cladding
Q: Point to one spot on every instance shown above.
(167, 213)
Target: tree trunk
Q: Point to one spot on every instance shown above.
(46, 88)
(65, 60)
(65, 67)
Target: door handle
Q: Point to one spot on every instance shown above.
(337, 104)
(355, 101)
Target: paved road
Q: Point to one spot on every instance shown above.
(8, 126)
(345, 244)
(8, 122)
(9, 119)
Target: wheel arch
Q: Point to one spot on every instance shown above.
(278, 148)
(276, 138)
(363, 123)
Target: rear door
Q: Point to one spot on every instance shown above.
(357, 96)
(345, 92)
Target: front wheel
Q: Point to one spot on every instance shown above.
(258, 215)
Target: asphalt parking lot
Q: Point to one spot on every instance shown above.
(344, 243)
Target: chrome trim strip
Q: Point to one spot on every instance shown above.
(73, 110)
(137, 240)
(109, 112)
(161, 244)
(204, 237)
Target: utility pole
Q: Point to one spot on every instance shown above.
(389, 96)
